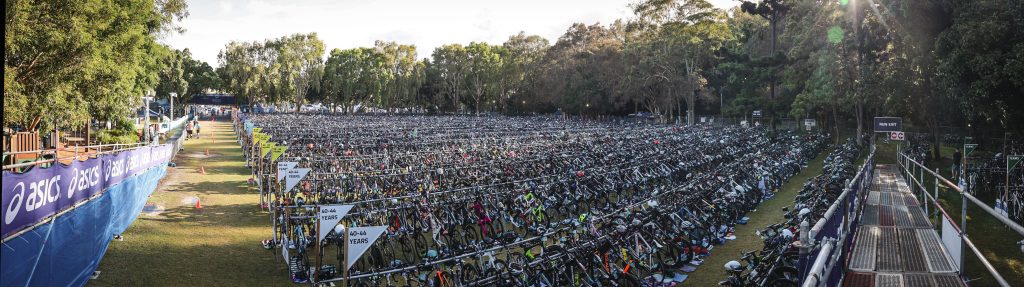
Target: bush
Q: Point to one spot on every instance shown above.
(120, 136)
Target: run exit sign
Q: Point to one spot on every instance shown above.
(888, 124)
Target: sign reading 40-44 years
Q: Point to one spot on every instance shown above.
(329, 217)
(360, 239)
(293, 176)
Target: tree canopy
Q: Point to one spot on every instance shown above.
(937, 63)
(66, 62)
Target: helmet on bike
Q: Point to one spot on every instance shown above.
(786, 233)
(733, 266)
(804, 211)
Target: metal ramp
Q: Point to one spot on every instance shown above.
(896, 244)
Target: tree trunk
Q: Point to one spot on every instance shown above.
(860, 122)
(771, 76)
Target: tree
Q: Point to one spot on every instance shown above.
(172, 76)
(400, 61)
(521, 59)
(450, 66)
(773, 11)
(299, 66)
(673, 42)
(981, 64)
(68, 61)
(483, 72)
(201, 77)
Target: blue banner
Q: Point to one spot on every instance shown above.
(30, 197)
(65, 250)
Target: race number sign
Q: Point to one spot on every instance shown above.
(360, 239)
(756, 114)
(293, 176)
(888, 124)
(329, 217)
(261, 137)
(277, 151)
(283, 167)
(266, 149)
(897, 136)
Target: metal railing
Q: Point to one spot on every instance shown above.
(842, 217)
(915, 170)
(77, 152)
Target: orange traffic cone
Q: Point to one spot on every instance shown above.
(207, 152)
(199, 205)
(202, 170)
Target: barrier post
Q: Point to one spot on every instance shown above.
(963, 234)
(921, 176)
(345, 261)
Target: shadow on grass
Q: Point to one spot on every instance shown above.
(229, 216)
(237, 264)
(215, 187)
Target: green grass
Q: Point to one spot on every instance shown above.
(218, 245)
(769, 212)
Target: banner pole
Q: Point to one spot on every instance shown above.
(344, 283)
(319, 249)
(1006, 192)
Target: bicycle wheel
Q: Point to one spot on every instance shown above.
(627, 280)
(470, 274)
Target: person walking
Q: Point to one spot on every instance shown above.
(957, 157)
(188, 130)
(197, 129)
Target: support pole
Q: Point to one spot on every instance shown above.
(319, 249)
(920, 177)
(936, 201)
(345, 259)
(963, 234)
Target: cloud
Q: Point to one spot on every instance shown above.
(226, 6)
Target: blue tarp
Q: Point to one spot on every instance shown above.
(66, 251)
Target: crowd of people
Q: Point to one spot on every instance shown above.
(520, 201)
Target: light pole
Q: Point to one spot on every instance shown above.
(172, 96)
(145, 130)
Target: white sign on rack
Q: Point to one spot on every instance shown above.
(293, 176)
(360, 239)
(329, 217)
(283, 167)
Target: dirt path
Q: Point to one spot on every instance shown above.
(173, 243)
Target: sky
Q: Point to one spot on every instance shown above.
(358, 23)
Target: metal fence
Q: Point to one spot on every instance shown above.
(915, 173)
(66, 155)
(831, 234)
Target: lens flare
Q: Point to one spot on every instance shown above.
(835, 35)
